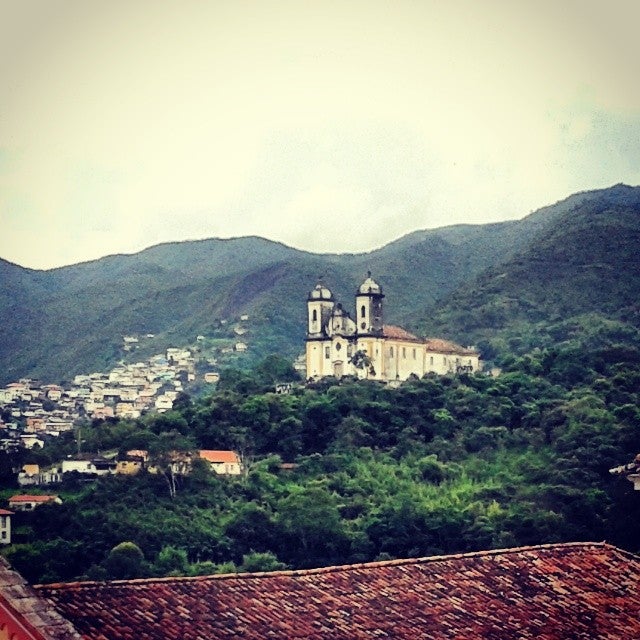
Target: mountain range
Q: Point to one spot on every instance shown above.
(506, 287)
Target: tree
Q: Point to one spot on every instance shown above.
(124, 561)
(169, 456)
(257, 562)
(171, 561)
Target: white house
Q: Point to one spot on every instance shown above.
(5, 526)
(26, 502)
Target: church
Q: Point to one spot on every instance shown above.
(363, 346)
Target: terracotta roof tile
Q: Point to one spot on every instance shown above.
(211, 455)
(30, 498)
(24, 614)
(447, 346)
(580, 590)
(398, 333)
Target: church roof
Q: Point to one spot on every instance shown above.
(446, 346)
(398, 333)
(320, 292)
(575, 590)
(370, 286)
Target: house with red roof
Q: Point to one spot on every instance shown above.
(223, 462)
(26, 502)
(364, 346)
(583, 591)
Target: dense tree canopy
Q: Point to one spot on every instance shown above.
(437, 465)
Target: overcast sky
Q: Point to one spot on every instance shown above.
(329, 126)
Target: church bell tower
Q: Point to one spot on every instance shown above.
(369, 317)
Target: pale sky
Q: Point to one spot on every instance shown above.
(329, 126)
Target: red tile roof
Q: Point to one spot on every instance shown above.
(28, 498)
(5, 512)
(398, 333)
(580, 590)
(433, 344)
(211, 455)
(25, 615)
(446, 346)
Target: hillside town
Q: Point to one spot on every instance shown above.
(32, 412)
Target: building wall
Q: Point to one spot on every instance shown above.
(5, 529)
(333, 339)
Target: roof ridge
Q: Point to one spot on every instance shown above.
(345, 567)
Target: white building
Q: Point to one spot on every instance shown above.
(337, 345)
(5, 526)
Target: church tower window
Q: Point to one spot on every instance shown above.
(363, 312)
(314, 315)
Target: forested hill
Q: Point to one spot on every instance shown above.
(578, 278)
(470, 283)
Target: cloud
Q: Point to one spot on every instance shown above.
(129, 123)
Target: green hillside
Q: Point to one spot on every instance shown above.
(481, 284)
(578, 278)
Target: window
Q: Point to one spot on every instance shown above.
(414, 354)
(338, 346)
(327, 352)
(391, 352)
(363, 311)
(3, 535)
(404, 352)
(314, 315)
(431, 360)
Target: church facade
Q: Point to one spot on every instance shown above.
(363, 346)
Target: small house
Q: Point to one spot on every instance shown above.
(222, 462)
(26, 502)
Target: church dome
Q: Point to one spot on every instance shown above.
(370, 286)
(320, 292)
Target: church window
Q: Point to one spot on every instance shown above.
(338, 346)
(363, 311)
(431, 360)
(391, 352)
(314, 315)
(327, 352)
(414, 354)
(404, 352)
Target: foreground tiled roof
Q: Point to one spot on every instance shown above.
(24, 614)
(580, 591)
